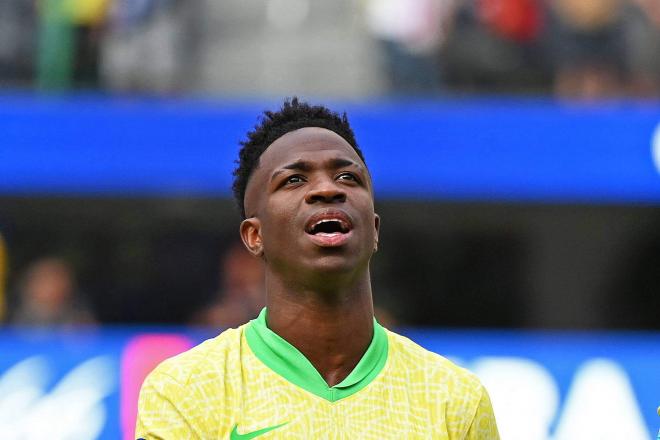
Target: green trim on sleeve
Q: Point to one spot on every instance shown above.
(285, 360)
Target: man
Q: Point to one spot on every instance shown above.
(315, 364)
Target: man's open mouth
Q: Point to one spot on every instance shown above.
(329, 228)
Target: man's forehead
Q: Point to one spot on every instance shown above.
(305, 144)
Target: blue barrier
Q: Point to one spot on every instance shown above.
(543, 385)
(518, 150)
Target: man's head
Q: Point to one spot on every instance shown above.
(292, 116)
(306, 192)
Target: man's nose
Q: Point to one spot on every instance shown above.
(326, 192)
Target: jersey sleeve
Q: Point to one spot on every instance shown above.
(483, 426)
(164, 410)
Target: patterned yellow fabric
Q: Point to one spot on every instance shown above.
(221, 386)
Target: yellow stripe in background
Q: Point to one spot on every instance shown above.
(87, 12)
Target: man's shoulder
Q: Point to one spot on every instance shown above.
(431, 367)
(439, 383)
(211, 357)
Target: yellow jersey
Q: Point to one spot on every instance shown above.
(249, 382)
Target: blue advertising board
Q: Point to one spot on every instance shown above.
(561, 386)
(472, 149)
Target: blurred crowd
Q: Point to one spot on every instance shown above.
(572, 48)
(46, 293)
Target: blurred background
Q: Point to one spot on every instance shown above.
(515, 152)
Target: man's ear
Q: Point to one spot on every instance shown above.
(376, 230)
(251, 235)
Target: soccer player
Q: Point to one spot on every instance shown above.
(314, 364)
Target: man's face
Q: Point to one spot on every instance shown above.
(310, 205)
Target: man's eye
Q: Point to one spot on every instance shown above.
(294, 179)
(347, 176)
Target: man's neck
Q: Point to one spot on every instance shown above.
(332, 333)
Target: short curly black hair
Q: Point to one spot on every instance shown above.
(293, 115)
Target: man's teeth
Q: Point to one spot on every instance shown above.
(341, 226)
(327, 220)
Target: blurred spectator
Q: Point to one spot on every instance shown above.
(88, 18)
(47, 296)
(17, 30)
(497, 45)
(242, 293)
(148, 45)
(643, 54)
(69, 43)
(588, 44)
(385, 317)
(410, 33)
(518, 20)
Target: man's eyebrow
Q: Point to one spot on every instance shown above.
(341, 163)
(303, 165)
(299, 165)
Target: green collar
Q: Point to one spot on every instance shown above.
(285, 360)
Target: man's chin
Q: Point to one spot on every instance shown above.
(332, 264)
